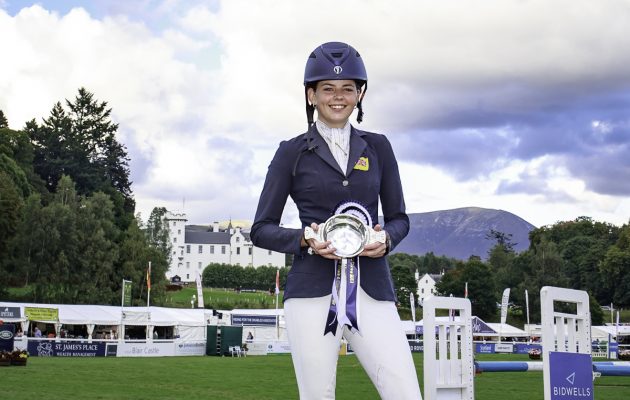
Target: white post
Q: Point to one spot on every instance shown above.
(527, 310)
(569, 344)
(448, 362)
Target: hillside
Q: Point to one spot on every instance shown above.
(462, 232)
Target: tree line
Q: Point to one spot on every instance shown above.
(581, 254)
(68, 231)
(242, 278)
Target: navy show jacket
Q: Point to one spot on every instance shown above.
(305, 169)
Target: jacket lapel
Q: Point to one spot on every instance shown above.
(322, 149)
(357, 147)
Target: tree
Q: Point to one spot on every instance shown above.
(81, 143)
(481, 289)
(92, 280)
(503, 240)
(615, 268)
(158, 234)
(4, 123)
(404, 283)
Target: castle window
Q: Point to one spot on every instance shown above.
(222, 249)
(211, 249)
(200, 249)
(187, 249)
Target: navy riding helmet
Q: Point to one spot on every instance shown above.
(334, 61)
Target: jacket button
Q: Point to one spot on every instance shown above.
(345, 183)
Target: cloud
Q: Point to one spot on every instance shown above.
(471, 94)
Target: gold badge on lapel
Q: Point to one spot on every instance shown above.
(363, 164)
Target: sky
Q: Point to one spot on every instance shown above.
(517, 105)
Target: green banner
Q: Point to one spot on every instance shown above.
(126, 293)
(41, 314)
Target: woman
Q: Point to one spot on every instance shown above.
(333, 163)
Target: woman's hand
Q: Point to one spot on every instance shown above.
(323, 249)
(376, 249)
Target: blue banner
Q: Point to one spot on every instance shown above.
(254, 320)
(416, 346)
(478, 326)
(571, 376)
(46, 348)
(10, 312)
(524, 348)
(484, 348)
(7, 333)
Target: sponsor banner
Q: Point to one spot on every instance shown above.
(478, 326)
(126, 297)
(571, 376)
(484, 348)
(613, 349)
(10, 312)
(46, 348)
(416, 346)
(41, 314)
(254, 320)
(111, 351)
(190, 349)
(503, 348)
(7, 333)
(523, 348)
(278, 348)
(145, 350)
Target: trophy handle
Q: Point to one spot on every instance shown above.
(379, 236)
(309, 233)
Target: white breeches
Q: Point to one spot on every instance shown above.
(381, 347)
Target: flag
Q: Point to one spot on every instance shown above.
(412, 302)
(466, 291)
(277, 281)
(149, 285)
(126, 293)
(149, 278)
(527, 305)
(199, 291)
(504, 305)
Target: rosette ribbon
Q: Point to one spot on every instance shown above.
(348, 230)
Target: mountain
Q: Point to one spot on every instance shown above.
(462, 232)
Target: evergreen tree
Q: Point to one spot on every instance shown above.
(4, 123)
(81, 143)
(158, 233)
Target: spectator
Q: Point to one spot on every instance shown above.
(37, 332)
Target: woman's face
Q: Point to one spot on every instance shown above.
(334, 100)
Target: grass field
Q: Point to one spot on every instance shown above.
(222, 299)
(250, 378)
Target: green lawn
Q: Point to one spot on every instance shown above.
(255, 378)
(222, 299)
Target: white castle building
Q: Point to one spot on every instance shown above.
(196, 246)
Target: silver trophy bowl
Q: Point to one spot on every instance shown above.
(347, 234)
